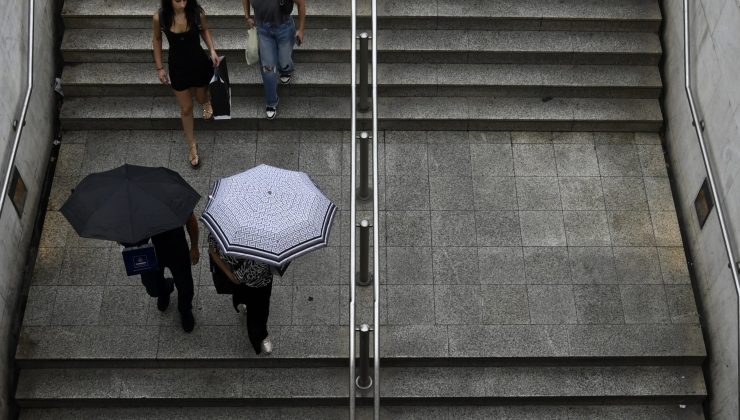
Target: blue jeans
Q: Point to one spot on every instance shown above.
(276, 55)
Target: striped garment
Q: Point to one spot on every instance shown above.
(248, 272)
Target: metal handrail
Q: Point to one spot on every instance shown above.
(353, 218)
(710, 175)
(21, 122)
(376, 236)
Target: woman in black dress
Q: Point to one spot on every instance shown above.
(184, 22)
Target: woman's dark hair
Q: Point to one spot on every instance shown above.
(192, 9)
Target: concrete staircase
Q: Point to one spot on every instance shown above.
(466, 82)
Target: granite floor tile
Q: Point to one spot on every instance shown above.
(70, 160)
(230, 159)
(446, 137)
(316, 305)
(313, 341)
(618, 160)
(612, 138)
(406, 137)
(622, 193)
(180, 163)
(453, 228)
(644, 340)
(501, 265)
(508, 341)
(592, 265)
(637, 265)
(56, 230)
(681, 304)
(47, 266)
(551, 304)
(631, 228)
(61, 189)
(414, 340)
(659, 195)
(673, 265)
(455, 265)
(406, 159)
(542, 228)
(652, 160)
(77, 305)
(538, 193)
(451, 193)
(647, 138)
(546, 265)
(489, 137)
(211, 308)
(534, 160)
(576, 160)
(410, 305)
(282, 155)
(407, 192)
(449, 159)
(581, 193)
(206, 342)
(364, 298)
(88, 342)
(151, 155)
(77, 384)
(409, 265)
(181, 383)
(321, 267)
(408, 228)
(320, 158)
(492, 159)
(600, 304)
(457, 304)
(505, 304)
(40, 306)
(531, 137)
(645, 304)
(667, 232)
(586, 228)
(129, 305)
(494, 193)
(498, 228)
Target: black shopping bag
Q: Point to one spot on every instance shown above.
(223, 285)
(220, 90)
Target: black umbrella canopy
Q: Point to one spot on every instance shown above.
(130, 203)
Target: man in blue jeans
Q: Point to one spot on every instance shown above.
(277, 34)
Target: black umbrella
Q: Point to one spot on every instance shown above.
(130, 203)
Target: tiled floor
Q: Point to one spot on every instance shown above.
(540, 237)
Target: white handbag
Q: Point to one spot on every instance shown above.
(253, 46)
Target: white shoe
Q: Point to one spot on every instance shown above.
(241, 308)
(267, 345)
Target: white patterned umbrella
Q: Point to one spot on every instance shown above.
(268, 214)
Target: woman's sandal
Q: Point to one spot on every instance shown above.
(194, 158)
(207, 111)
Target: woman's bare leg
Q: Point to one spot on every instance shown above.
(203, 98)
(185, 99)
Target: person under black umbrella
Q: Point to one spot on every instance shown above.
(133, 205)
(172, 252)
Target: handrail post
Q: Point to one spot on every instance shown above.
(364, 192)
(364, 380)
(699, 127)
(363, 104)
(365, 278)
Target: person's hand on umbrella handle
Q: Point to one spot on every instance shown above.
(194, 255)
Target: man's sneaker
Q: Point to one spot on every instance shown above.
(285, 78)
(187, 320)
(266, 346)
(271, 112)
(163, 302)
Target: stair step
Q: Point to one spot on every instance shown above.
(328, 386)
(333, 79)
(226, 346)
(603, 15)
(406, 46)
(417, 113)
(467, 412)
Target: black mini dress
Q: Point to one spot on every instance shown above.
(188, 64)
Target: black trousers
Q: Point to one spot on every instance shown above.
(157, 286)
(257, 300)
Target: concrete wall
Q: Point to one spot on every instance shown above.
(32, 157)
(715, 66)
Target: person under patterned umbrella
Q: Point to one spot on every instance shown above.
(253, 288)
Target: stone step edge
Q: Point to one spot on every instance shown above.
(342, 361)
(398, 385)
